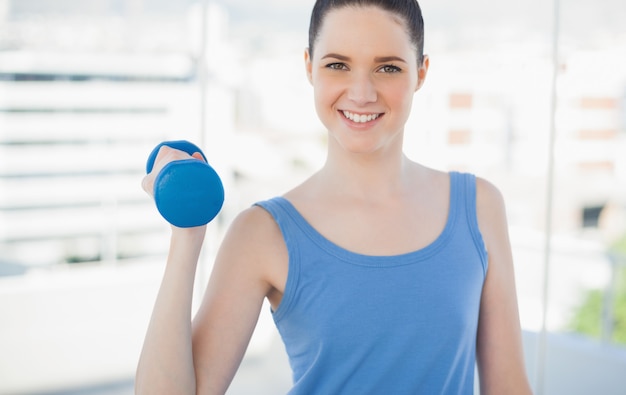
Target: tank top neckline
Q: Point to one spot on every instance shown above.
(381, 260)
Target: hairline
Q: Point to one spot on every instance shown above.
(400, 19)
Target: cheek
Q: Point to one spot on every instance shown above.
(326, 92)
(400, 95)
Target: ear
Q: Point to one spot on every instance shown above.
(421, 72)
(308, 65)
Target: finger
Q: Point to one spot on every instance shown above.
(147, 185)
(166, 155)
(198, 155)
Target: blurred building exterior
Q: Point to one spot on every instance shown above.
(87, 88)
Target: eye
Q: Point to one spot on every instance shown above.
(337, 66)
(389, 68)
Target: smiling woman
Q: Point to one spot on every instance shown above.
(366, 79)
(384, 275)
(88, 87)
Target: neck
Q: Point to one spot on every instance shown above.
(366, 176)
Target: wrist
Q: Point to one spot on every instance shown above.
(186, 243)
(194, 233)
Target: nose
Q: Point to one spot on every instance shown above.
(362, 89)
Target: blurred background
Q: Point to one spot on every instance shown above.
(530, 95)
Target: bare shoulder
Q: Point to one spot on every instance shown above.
(254, 221)
(254, 247)
(489, 199)
(488, 195)
(491, 212)
(254, 230)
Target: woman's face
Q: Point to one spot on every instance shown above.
(364, 72)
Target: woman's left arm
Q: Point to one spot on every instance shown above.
(499, 344)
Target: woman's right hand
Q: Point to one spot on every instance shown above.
(164, 156)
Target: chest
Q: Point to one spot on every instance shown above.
(422, 299)
(380, 230)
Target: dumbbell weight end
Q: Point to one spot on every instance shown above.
(187, 192)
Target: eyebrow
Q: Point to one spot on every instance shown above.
(378, 59)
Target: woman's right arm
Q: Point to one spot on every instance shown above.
(201, 357)
(166, 361)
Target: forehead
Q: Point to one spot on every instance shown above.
(363, 29)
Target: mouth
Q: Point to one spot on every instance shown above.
(361, 118)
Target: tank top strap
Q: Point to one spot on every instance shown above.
(277, 210)
(463, 195)
(463, 188)
(283, 215)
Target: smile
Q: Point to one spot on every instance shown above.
(360, 118)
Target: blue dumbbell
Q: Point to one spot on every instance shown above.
(187, 192)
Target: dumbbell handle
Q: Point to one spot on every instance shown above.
(187, 192)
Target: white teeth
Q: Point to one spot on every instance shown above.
(360, 118)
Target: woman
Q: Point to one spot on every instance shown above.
(384, 276)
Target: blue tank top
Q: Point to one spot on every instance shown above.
(404, 324)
